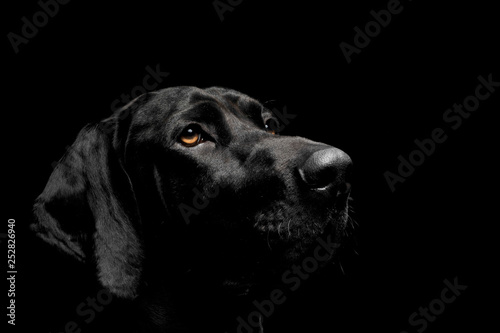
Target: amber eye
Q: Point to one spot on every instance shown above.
(191, 136)
(272, 126)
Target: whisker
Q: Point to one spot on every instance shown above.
(341, 268)
(261, 327)
(268, 243)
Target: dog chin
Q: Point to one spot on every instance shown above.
(286, 237)
(288, 223)
(285, 248)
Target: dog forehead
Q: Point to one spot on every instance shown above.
(173, 97)
(167, 107)
(172, 103)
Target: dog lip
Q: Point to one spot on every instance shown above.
(239, 288)
(342, 199)
(340, 191)
(322, 189)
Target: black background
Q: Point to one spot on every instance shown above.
(437, 225)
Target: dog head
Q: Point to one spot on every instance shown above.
(199, 181)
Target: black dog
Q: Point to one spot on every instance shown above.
(187, 194)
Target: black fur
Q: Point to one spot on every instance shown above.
(121, 202)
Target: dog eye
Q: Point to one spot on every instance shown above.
(271, 126)
(191, 136)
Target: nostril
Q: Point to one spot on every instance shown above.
(325, 167)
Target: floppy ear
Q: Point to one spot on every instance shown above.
(88, 210)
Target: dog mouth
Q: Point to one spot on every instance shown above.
(285, 241)
(243, 260)
(296, 222)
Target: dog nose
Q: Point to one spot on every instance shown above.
(325, 167)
